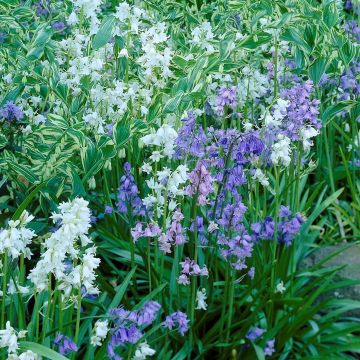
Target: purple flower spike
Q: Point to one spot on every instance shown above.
(201, 183)
(128, 195)
(226, 97)
(58, 25)
(255, 333)
(108, 210)
(11, 112)
(269, 348)
(177, 319)
(65, 344)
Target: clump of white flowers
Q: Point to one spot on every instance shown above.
(356, 142)
(77, 63)
(156, 58)
(261, 177)
(82, 275)
(166, 183)
(201, 299)
(65, 245)
(90, 9)
(27, 355)
(94, 120)
(278, 114)
(255, 83)
(306, 134)
(202, 36)
(100, 331)
(281, 151)
(9, 339)
(129, 19)
(280, 288)
(143, 351)
(14, 287)
(164, 138)
(14, 240)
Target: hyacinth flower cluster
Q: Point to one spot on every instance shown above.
(9, 339)
(10, 112)
(128, 325)
(128, 328)
(353, 29)
(128, 194)
(287, 228)
(64, 344)
(74, 222)
(349, 86)
(191, 268)
(14, 239)
(175, 235)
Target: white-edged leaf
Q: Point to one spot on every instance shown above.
(104, 34)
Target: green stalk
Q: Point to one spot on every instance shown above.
(264, 208)
(22, 271)
(4, 284)
(193, 283)
(275, 69)
(223, 307)
(297, 188)
(128, 37)
(329, 162)
(204, 121)
(10, 311)
(257, 197)
(60, 304)
(163, 230)
(78, 313)
(274, 244)
(231, 305)
(37, 318)
(47, 314)
(149, 263)
(291, 184)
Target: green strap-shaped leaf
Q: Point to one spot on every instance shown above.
(173, 103)
(335, 109)
(26, 202)
(317, 69)
(104, 33)
(150, 296)
(24, 171)
(259, 352)
(3, 141)
(121, 134)
(43, 35)
(120, 290)
(41, 350)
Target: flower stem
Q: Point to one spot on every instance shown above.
(4, 283)
(47, 314)
(78, 313)
(37, 317)
(22, 270)
(274, 245)
(231, 305)
(149, 263)
(193, 283)
(60, 312)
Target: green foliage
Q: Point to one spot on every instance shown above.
(43, 163)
